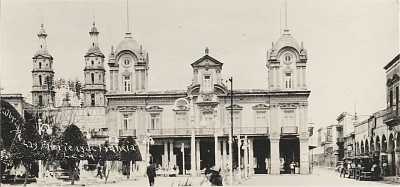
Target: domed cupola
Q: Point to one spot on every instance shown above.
(287, 40)
(128, 44)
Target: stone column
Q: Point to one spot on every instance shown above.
(165, 156)
(251, 157)
(198, 154)
(304, 163)
(275, 160)
(390, 162)
(171, 153)
(216, 152)
(246, 158)
(397, 152)
(224, 154)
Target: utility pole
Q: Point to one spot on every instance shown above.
(231, 137)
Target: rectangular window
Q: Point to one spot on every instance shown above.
(209, 121)
(261, 119)
(126, 122)
(236, 119)
(288, 118)
(181, 120)
(93, 100)
(127, 84)
(288, 80)
(207, 83)
(154, 121)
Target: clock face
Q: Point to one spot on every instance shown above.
(288, 58)
(126, 62)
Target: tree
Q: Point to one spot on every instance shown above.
(25, 148)
(73, 139)
(130, 154)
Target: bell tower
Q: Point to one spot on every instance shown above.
(94, 73)
(42, 74)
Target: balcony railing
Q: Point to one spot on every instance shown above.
(290, 130)
(209, 131)
(391, 116)
(127, 132)
(99, 134)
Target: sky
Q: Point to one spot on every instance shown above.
(348, 43)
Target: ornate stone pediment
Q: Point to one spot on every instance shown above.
(127, 108)
(261, 107)
(181, 108)
(235, 107)
(288, 106)
(154, 109)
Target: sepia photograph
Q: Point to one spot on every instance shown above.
(199, 93)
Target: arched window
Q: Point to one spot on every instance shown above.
(92, 100)
(40, 80)
(92, 76)
(127, 84)
(40, 100)
(92, 63)
(40, 65)
(288, 80)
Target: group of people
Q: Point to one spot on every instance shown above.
(368, 165)
(212, 176)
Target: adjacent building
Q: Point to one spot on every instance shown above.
(376, 137)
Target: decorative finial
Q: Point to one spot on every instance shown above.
(286, 17)
(206, 51)
(127, 15)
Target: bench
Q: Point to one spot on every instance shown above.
(366, 175)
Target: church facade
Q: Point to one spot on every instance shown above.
(190, 128)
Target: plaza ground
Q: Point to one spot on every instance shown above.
(320, 177)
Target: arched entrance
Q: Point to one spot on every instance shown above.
(378, 144)
(366, 147)
(372, 147)
(362, 147)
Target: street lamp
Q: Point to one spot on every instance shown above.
(86, 134)
(148, 141)
(231, 137)
(44, 128)
(192, 138)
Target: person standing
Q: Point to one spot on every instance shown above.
(99, 172)
(151, 174)
(215, 178)
(292, 167)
